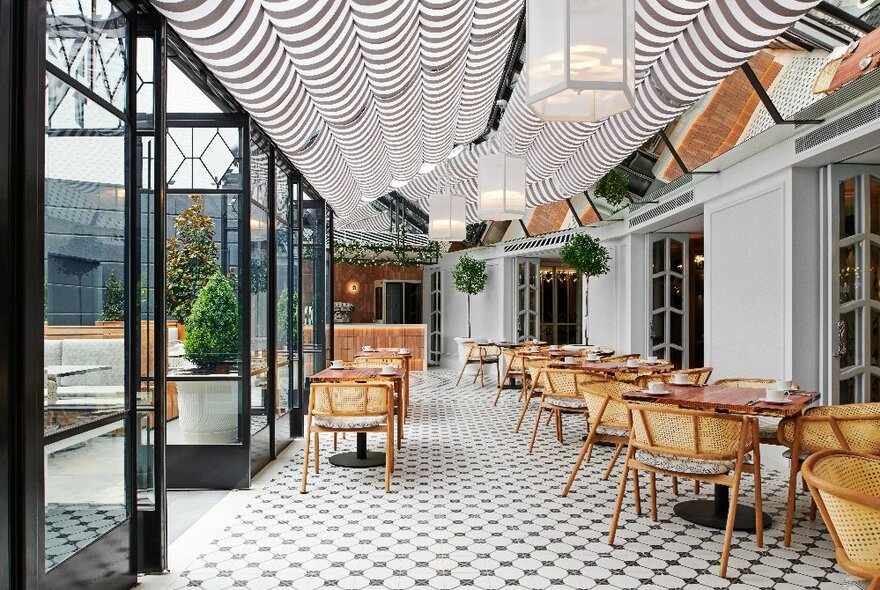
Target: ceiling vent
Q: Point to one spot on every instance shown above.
(662, 209)
(855, 119)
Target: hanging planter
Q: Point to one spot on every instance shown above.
(580, 58)
(378, 254)
(613, 187)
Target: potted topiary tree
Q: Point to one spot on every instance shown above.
(469, 277)
(209, 408)
(190, 260)
(587, 256)
(114, 299)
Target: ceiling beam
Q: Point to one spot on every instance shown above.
(768, 102)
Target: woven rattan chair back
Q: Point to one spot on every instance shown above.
(846, 487)
(698, 376)
(373, 362)
(849, 427)
(687, 433)
(513, 359)
(345, 399)
(535, 367)
(621, 357)
(596, 392)
(561, 383)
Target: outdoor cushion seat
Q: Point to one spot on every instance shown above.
(485, 359)
(767, 426)
(610, 431)
(566, 402)
(349, 421)
(802, 455)
(684, 464)
(90, 391)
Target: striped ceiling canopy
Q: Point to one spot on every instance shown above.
(363, 94)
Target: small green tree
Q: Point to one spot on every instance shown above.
(613, 187)
(469, 277)
(114, 298)
(212, 327)
(586, 255)
(190, 259)
(283, 319)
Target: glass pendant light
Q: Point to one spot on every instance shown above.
(580, 58)
(502, 183)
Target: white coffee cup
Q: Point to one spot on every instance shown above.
(652, 359)
(554, 347)
(592, 357)
(784, 384)
(680, 379)
(656, 387)
(632, 362)
(570, 360)
(337, 364)
(534, 349)
(404, 351)
(366, 348)
(387, 369)
(776, 395)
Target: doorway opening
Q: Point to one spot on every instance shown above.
(560, 304)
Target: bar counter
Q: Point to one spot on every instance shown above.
(349, 338)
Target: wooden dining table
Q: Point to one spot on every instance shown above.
(731, 400)
(361, 457)
(615, 367)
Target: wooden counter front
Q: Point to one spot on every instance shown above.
(349, 338)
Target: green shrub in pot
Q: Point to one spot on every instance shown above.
(212, 336)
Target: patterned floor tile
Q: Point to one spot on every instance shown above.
(469, 508)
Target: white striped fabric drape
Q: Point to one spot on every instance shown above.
(360, 93)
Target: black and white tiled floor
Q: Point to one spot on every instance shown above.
(470, 508)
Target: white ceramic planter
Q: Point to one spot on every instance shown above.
(208, 411)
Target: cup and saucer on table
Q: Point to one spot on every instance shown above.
(569, 360)
(777, 394)
(388, 370)
(633, 363)
(592, 356)
(337, 364)
(651, 360)
(404, 351)
(680, 379)
(656, 388)
(367, 348)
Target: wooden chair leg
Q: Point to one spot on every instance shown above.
(731, 517)
(613, 462)
(792, 493)
(463, 367)
(549, 417)
(525, 409)
(498, 373)
(620, 492)
(537, 424)
(501, 382)
(577, 465)
(696, 487)
(636, 493)
(675, 485)
(759, 502)
(559, 425)
(389, 455)
(317, 454)
(334, 440)
(307, 446)
(653, 482)
(812, 509)
(399, 425)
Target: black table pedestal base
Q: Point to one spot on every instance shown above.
(360, 458)
(713, 513)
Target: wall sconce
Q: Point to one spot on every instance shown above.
(699, 260)
(353, 287)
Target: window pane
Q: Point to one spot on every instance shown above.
(850, 222)
(86, 40)
(203, 158)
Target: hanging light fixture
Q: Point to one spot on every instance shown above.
(580, 57)
(502, 182)
(447, 219)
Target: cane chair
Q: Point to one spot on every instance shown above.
(620, 357)
(850, 427)
(608, 419)
(400, 397)
(481, 355)
(846, 487)
(513, 369)
(560, 394)
(350, 407)
(766, 425)
(533, 384)
(705, 446)
(698, 376)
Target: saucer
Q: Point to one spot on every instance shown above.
(649, 392)
(783, 402)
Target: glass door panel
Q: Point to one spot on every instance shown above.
(855, 317)
(668, 328)
(527, 297)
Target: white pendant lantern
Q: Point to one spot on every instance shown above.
(447, 219)
(580, 58)
(502, 182)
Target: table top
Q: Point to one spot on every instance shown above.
(355, 374)
(68, 370)
(383, 354)
(736, 400)
(614, 367)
